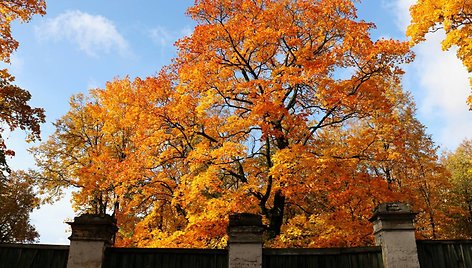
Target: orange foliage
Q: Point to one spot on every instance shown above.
(283, 108)
(10, 11)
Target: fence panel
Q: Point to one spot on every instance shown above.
(33, 256)
(366, 257)
(445, 253)
(165, 258)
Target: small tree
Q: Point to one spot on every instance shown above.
(459, 164)
(16, 196)
(17, 201)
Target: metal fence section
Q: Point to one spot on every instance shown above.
(33, 256)
(365, 257)
(445, 253)
(165, 258)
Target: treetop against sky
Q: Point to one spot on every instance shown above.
(79, 45)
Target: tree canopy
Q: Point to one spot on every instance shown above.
(15, 111)
(286, 108)
(17, 198)
(459, 164)
(17, 201)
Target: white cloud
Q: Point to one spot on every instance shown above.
(445, 85)
(165, 38)
(442, 82)
(402, 12)
(443, 74)
(186, 31)
(16, 64)
(161, 36)
(93, 34)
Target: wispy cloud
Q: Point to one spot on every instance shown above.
(402, 12)
(165, 38)
(186, 31)
(93, 34)
(443, 75)
(16, 65)
(161, 36)
(442, 82)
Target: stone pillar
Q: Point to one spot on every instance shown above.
(395, 233)
(245, 241)
(90, 235)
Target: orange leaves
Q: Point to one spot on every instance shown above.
(283, 108)
(10, 11)
(256, 101)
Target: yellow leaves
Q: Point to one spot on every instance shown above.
(17, 201)
(268, 85)
(253, 116)
(296, 233)
(449, 15)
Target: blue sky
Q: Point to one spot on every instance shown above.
(81, 44)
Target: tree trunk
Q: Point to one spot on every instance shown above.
(276, 215)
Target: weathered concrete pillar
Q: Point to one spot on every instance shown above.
(245, 241)
(395, 233)
(90, 235)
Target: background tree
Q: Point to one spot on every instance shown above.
(393, 159)
(454, 17)
(16, 113)
(115, 147)
(14, 109)
(408, 160)
(459, 164)
(17, 201)
(16, 196)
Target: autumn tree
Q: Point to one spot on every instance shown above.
(407, 159)
(14, 108)
(148, 166)
(16, 196)
(286, 108)
(454, 17)
(17, 201)
(459, 164)
(112, 146)
(263, 95)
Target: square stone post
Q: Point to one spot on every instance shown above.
(395, 233)
(90, 235)
(245, 241)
